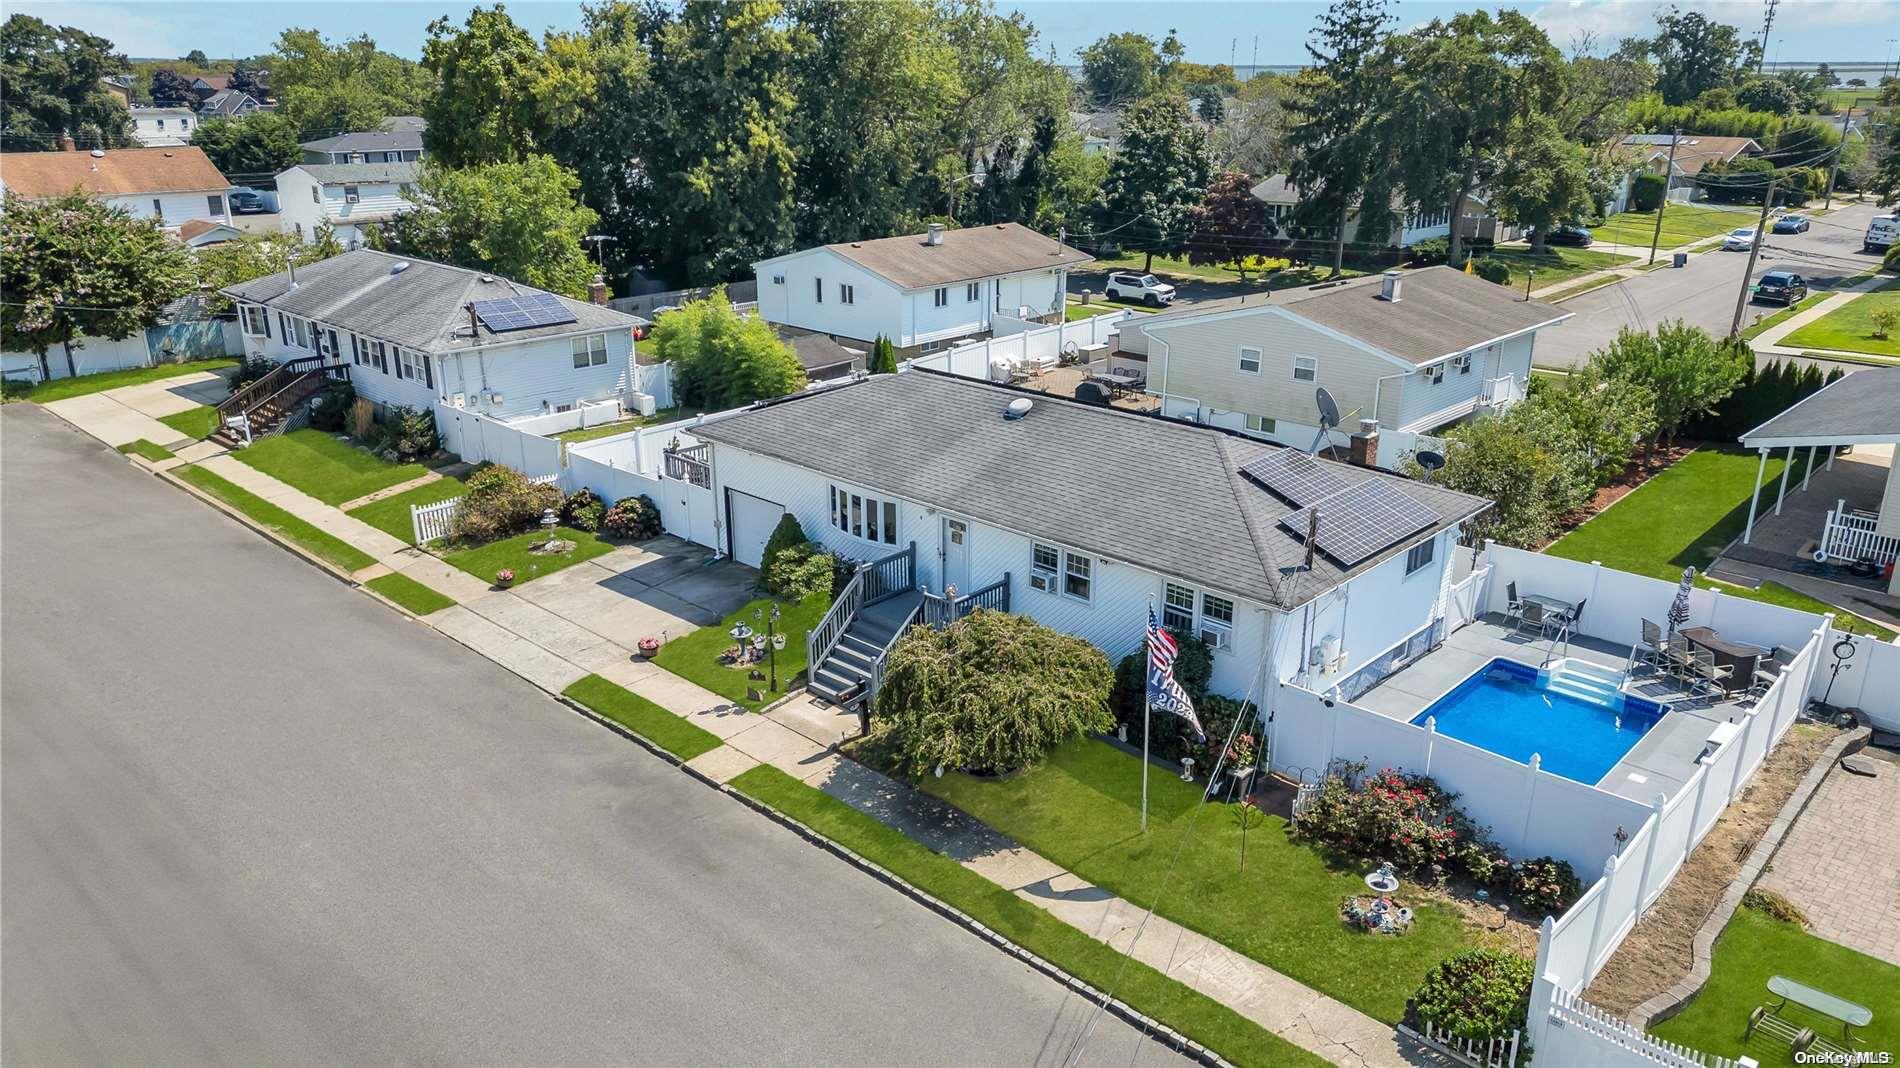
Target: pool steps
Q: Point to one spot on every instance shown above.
(1587, 682)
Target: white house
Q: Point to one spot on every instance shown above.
(416, 333)
(173, 185)
(398, 139)
(163, 127)
(348, 196)
(922, 291)
(1414, 224)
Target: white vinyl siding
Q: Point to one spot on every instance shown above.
(1249, 360)
(1305, 369)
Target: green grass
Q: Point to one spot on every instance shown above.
(1179, 267)
(391, 514)
(1199, 1017)
(1578, 290)
(410, 594)
(643, 717)
(1767, 322)
(316, 542)
(483, 561)
(1850, 327)
(196, 423)
(695, 656)
(332, 471)
(150, 450)
(1080, 809)
(1755, 946)
(1073, 311)
(1555, 264)
(1684, 517)
(607, 430)
(64, 388)
(1682, 224)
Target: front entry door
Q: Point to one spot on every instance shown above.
(956, 555)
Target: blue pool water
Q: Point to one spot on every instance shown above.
(1506, 708)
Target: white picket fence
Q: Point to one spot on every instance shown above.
(1850, 535)
(1486, 1053)
(432, 521)
(1580, 1035)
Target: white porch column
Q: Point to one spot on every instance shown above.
(1760, 470)
(1787, 466)
(1809, 472)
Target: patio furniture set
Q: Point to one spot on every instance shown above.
(1550, 617)
(1702, 661)
(1801, 1039)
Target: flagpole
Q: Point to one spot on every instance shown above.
(1149, 665)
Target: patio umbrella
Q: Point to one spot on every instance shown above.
(1679, 608)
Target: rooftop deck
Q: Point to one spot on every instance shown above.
(1660, 762)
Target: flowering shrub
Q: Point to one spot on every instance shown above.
(499, 502)
(1478, 995)
(583, 510)
(1546, 885)
(1485, 863)
(1241, 753)
(1406, 819)
(632, 518)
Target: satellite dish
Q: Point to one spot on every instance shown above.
(1328, 419)
(1432, 462)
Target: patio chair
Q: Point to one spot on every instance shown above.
(1708, 673)
(1653, 649)
(1679, 660)
(1768, 670)
(1531, 614)
(1513, 606)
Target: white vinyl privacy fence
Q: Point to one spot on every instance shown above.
(1028, 347)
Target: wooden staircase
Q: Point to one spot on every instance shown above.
(276, 402)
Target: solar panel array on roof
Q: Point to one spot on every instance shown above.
(1356, 523)
(1294, 477)
(524, 312)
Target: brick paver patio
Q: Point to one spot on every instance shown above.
(1841, 862)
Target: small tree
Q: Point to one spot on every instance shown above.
(1502, 460)
(1647, 191)
(72, 267)
(1158, 176)
(261, 144)
(720, 360)
(1687, 371)
(170, 90)
(991, 692)
(883, 356)
(1884, 320)
(1231, 225)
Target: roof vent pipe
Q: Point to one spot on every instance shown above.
(474, 321)
(1018, 408)
(934, 236)
(1389, 285)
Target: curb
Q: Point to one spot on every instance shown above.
(1671, 1001)
(269, 535)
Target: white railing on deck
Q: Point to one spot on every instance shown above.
(431, 521)
(1850, 535)
(1501, 392)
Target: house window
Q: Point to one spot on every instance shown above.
(847, 294)
(378, 356)
(1260, 424)
(215, 204)
(303, 332)
(590, 351)
(942, 296)
(357, 349)
(1177, 608)
(1217, 620)
(1419, 556)
(184, 124)
(1044, 562)
(778, 279)
(1249, 360)
(316, 194)
(1076, 574)
(158, 210)
(161, 124)
(330, 348)
(818, 289)
(350, 193)
(864, 517)
(256, 321)
(973, 291)
(1305, 368)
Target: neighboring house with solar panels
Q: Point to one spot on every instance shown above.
(1413, 350)
(1081, 516)
(923, 291)
(414, 333)
(348, 196)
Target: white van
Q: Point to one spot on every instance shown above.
(1883, 231)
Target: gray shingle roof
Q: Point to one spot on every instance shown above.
(964, 255)
(337, 173)
(1154, 493)
(422, 306)
(1863, 404)
(399, 133)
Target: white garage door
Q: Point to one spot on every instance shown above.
(752, 521)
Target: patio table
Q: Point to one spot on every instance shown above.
(1556, 605)
(1849, 1014)
(1738, 655)
(1116, 381)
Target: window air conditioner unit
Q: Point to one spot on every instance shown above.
(1042, 580)
(778, 279)
(1461, 361)
(351, 199)
(1435, 373)
(1217, 635)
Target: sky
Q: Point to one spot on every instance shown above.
(1805, 30)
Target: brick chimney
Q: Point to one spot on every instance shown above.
(67, 144)
(597, 291)
(1365, 444)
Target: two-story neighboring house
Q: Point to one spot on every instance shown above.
(414, 332)
(163, 127)
(1412, 225)
(348, 196)
(228, 104)
(923, 291)
(1414, 350)
(397, 140)
(173, 185)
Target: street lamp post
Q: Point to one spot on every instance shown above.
(774, 641)
(950, 190)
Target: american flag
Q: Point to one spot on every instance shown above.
(1164, 692)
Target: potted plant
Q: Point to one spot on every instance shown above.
(1240, 756)
(649, 646)
(505, 577)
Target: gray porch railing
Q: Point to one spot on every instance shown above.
(691, 464)
(939, 611)
(888, 576)
(874, 581)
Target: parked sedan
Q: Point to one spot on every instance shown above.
(1791, 224)
(1785, 287)
(247, 203)
(1741, 239)
(1569, 234)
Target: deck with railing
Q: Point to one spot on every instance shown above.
(1849, 536)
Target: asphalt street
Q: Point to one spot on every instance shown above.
(1703, 293)
(249, 815)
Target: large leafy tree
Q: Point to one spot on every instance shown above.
(1121, 68)
(1157, 178)
(250, 150)
(1231, 226)
(74, 268)
(1248, 135)
(1686, 371)
(248, 78)
(329, 89)
(484, 106)
(1504, 460)
(519, 219)
(1695, 54)
(170, 89)
(721, 360)
(1332, 144)
(1542, 179)
(50, 85)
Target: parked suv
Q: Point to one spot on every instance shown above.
(1145, 288)
(246, 203)
(1784, 286)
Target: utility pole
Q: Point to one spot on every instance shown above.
(1754, 250)
(1767, 24)
(1835, 167)
(1669, 179)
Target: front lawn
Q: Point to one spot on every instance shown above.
(1207, 1021)
(643, 717)
(1850, 327)
(150, 450)
(319, 543)
(1767, 322)
(391, 514)
(1682, 223)
(1081, 809)
(196, 422)
(1179, 267)
(695, 656)
(1554, 264)
(332, 471)
(1073, 311)
(483, 561)
(1755, 946)
(409, 593)
(63, 388)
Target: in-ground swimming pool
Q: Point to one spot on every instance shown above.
(1509, 709)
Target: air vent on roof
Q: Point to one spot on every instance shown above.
(488, 278)
(399, 266)
(1018, 408)
(98, 153)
